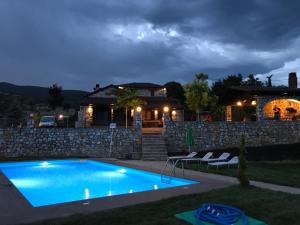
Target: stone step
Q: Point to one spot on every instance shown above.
(153, 141)
(154, 153)
(154, 148)
(153, 138)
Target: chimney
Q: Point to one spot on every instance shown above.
(97, 87)
(293, 83)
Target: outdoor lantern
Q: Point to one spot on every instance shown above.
(166, 109)
(138, 109)
(90, 109)
(61, 117)
(173, 113)
(239, 103)
(253, 102)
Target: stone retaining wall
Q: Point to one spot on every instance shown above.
(221, 135)
(62, 142)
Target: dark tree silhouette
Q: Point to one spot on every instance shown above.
(218, 88)
(55, 96)
(175, 90)
(253, 82)
(269, 82)
(242, 170)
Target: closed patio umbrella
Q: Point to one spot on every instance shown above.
(189, 140)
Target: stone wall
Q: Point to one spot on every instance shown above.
(221, 135)
(56, 142)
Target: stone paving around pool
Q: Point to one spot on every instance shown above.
(15, 209)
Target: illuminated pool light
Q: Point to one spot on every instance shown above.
(87, 193)
(155, 187)
(45, 164)
(121, 171)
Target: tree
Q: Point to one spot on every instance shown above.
(55, 96)
(253, 82)
(196, 93)
(12, 109)
(218, 88)
(126, 99)
(175, 90)
(242, 176)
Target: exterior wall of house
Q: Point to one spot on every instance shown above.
(221, 135)
(55, 142)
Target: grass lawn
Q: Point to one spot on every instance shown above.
(275, 208)
(277, 173)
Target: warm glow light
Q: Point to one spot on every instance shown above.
(90, 109)
(132, 112)
(253, 102)
(121, 87)
(166, 109)
(155, 112)
(61, 117)
(138, 109)
(239, 103)
(173, 113)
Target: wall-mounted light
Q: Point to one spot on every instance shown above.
(90, 109)
(173, 112)
(239, 103)
(138, 109)
(155, 112)
(166, 109)
(61, 117)
(253, 102)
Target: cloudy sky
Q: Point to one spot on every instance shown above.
(78, 43)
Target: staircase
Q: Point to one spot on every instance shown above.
(154, 148)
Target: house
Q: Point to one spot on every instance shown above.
(98, 107)
(263, 103)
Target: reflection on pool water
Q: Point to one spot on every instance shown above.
(58, 181)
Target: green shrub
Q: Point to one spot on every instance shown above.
(242, 175)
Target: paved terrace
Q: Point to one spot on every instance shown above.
(15, 209)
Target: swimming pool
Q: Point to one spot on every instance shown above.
(59, 181)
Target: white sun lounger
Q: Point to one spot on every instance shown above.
(222, 157)
(205, 157)
(191, 155)
(232, 162)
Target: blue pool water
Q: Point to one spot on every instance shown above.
(58, 181)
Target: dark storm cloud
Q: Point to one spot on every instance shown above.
(79, 43)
